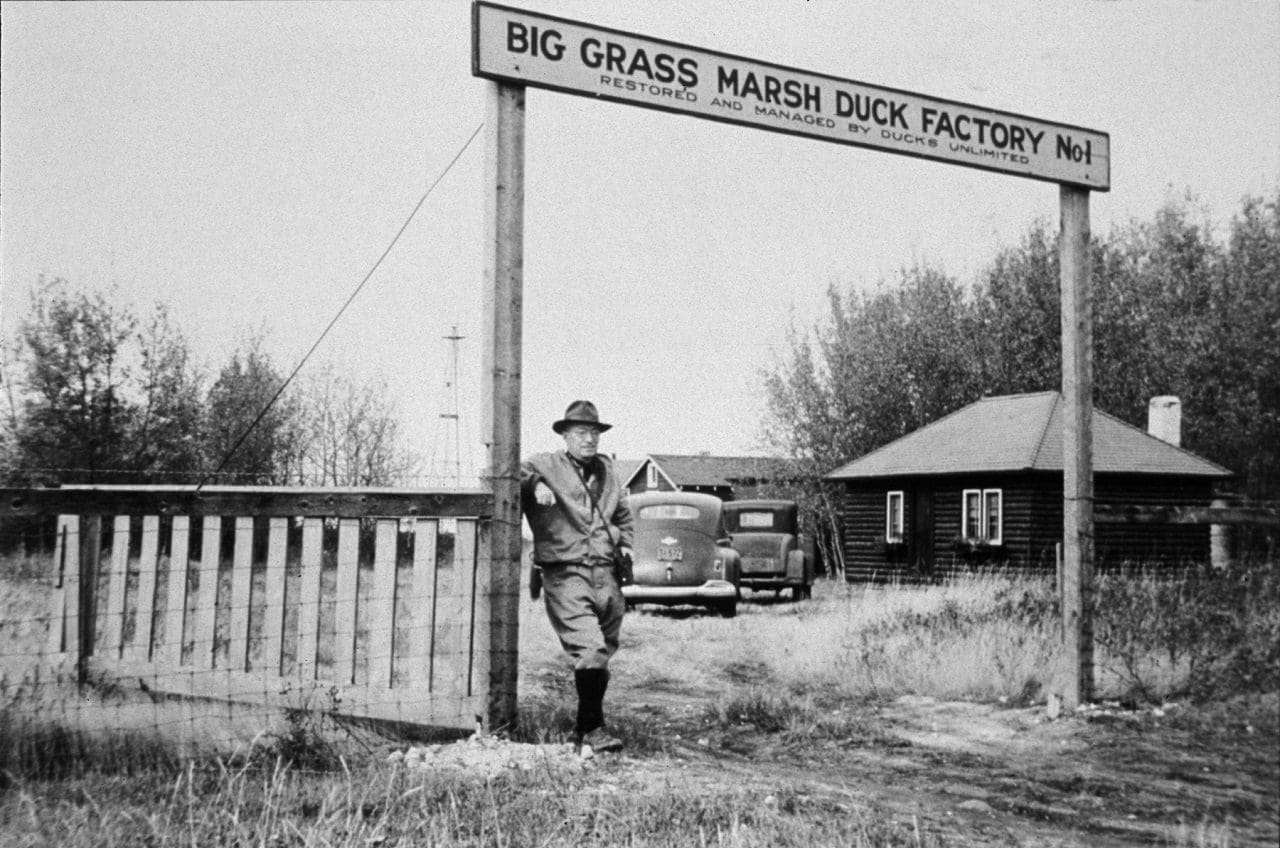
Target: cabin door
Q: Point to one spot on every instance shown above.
(921, 548)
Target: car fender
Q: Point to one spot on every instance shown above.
(732, 565)
(797, 568)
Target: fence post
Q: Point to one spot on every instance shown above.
(503, 300)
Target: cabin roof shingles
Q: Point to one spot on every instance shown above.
(1017, 433)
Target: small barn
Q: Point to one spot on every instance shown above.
(982, 487)
(726, 477)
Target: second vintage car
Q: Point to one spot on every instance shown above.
(767, 535)
(682, 553)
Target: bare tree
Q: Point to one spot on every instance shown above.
(350, 433)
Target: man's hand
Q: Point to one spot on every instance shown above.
(543, 495)
(625, 551)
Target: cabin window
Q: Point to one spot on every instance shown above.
(983, 515)
(651, 476)
(992, 515)
(893, 517)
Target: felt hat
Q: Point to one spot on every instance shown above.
(580, 412)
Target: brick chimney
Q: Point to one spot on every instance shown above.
(1164, 419)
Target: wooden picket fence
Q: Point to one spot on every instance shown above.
(367, 603)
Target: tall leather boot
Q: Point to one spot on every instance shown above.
(590, 685)
(592, 736)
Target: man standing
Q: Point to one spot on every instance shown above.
(577, 509)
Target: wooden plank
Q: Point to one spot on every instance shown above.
(414, 704)
(64, 635)
(273, 590)
(309, 598)
(1144, 514)
(470, 531)
(482, 620)
(113, 614)
(382, 603)
(207, 593)
(452, 658)
(241, 589)
(444, 636)
(503, 295)
(169, 653)
(245, 500)
(424, 601)
(344, 628)
(1076, 672)
(144, 607)
(87, 608)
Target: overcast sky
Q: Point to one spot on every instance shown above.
(248, 162)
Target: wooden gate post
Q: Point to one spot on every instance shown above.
(503, 296)
(1075, 674)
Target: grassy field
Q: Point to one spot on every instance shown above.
(869, 716)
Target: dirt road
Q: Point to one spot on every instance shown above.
(967, 773)
(980, 774)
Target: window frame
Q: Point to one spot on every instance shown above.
(998, 538)
(983, 516)
(890, 536)
(651, 476)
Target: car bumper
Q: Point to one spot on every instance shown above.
(712, 590)
(770, 582)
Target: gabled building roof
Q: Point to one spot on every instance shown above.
(626, 468)
(1022, 433)
(705, 470)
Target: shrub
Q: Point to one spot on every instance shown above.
(1201, 633)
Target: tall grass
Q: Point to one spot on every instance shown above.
(393, 807)
(101, 766)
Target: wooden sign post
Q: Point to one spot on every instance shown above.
(503, 300)
(1075, 676)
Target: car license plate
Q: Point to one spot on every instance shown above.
(670, 553)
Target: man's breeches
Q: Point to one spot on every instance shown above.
(585, 607)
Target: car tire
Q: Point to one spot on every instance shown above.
(727, 609)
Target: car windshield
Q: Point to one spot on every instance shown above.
(760, 518)
(679, 511)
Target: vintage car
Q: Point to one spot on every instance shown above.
(766, 534)
(682, 553)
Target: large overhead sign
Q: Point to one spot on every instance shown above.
(538, 50)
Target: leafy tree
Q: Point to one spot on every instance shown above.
(75, 418)
(107, 397)
(1018, 317)
(247, 441)
(170, 402)
(100, 400)
(882, 365)
(1238, 378)
(1153, 284)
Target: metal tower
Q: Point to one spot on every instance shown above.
(448, 464)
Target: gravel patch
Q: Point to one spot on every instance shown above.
(491, 757)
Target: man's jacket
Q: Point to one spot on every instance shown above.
(570, 530)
